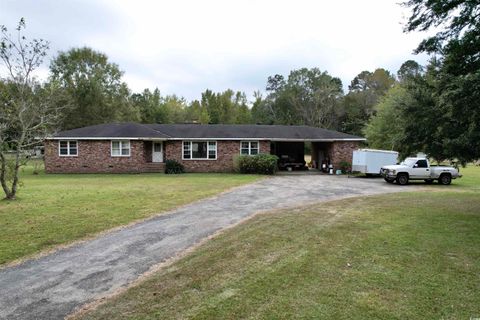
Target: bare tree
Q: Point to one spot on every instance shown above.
(26, 110)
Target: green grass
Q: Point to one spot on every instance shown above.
(399, 256)
(58, 209)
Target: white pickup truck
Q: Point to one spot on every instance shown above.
(418, 169)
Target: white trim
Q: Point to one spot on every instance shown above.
(249, 147)
(68, 148)
(121, 141)
(191, 152)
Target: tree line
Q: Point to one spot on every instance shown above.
(91, 90)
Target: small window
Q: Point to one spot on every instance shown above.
(67, 148)
(200, 150)
(422, 164)
(120, 148)
(249, 148)
(186, 150)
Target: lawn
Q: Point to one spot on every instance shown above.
(58, 209)
(398, 256)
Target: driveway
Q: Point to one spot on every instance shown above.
(52, 286)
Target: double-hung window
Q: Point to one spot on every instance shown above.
(250, 148)
(120, 148)
(199, 150)
(67, 148)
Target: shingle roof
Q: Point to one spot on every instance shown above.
(210, 131)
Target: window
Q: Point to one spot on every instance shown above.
(120, 148)
(67, 148)
(200, 150)
(249, 147)
(422, 164)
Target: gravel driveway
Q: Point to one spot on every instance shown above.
(52, 286)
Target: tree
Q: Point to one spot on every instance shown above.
(27, 110)
(457, 80)
(365, 91)
(93, 87)
(385, 129)
(151, 106)
(308, 96)
(409, 69)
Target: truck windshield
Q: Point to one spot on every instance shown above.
(409, 162)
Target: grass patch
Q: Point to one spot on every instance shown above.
(57, 209)
(397, 256)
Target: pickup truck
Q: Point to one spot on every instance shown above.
(418, 169)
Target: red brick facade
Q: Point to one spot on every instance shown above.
(94, 156)
(226, 152)
(342, 151)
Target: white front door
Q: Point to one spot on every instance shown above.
(157, 152)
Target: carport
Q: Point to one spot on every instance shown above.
(322, 154)
(291, 154)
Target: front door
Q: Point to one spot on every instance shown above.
(157, 152)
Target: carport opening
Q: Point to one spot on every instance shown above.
(321, 155)
(291, 155)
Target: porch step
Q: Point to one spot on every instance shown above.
(154, 167)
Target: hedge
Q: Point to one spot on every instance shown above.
(259, 164)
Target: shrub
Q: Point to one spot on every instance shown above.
(260, 164)
(173, 167)
(345, 166)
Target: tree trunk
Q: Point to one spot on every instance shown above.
(3, 181)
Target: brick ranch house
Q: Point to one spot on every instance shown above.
(133, 147)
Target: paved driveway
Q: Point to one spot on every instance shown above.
(53, 286)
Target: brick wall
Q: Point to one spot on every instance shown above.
(95, 157)
(342, 151)
(226, 151)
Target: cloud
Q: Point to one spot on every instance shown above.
(186, 46)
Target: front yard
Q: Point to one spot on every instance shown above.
(412, 255)
(57, 209)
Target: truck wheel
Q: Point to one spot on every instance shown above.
(428, 181)
(389, 180)
(402, 179)
(445, 179)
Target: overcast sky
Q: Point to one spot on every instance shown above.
(187, 46)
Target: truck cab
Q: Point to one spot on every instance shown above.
(418, 169)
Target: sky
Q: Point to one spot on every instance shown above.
(185, 46)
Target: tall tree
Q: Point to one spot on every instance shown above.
(27, 110)
(457, 43)
(94, 88)
(365, 92)
(308, 96)
(409, 69)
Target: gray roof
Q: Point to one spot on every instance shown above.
(210, 131)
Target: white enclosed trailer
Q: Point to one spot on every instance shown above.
(370, 161)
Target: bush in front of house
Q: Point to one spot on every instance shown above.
(345, 166)
(259, 164)
(173, 167)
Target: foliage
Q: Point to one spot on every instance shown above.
(457, 78)
(28, 109)
(345, 166)
(365, 91)
(93, 88)
(385, 129)
(173, 167)
(259, 164)
(308, 96)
